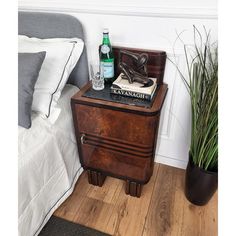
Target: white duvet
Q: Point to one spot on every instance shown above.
(48, 166)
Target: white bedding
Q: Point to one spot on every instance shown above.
(48, 166)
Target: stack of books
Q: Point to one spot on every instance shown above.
(136, 90)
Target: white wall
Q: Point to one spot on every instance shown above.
(146, 24)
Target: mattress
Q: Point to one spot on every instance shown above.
(48, 166)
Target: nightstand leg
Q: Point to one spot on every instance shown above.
(133, 188)
(96, 178)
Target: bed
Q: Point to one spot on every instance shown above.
(48, 157)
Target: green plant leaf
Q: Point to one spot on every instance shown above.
(201, 82)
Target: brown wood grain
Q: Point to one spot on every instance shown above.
(108, 209)
(115, 139)
(132, 211)
(161, 210)
(121, 126)
(170, 213)
(155, 109)
(155, 64)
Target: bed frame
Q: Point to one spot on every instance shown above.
(55, 25)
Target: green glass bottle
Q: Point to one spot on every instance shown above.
(106, 58)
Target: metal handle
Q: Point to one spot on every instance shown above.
(82, 138)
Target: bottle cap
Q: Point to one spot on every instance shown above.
(105, 30)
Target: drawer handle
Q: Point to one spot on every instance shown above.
(82, 138)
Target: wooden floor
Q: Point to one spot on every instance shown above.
(161, 210)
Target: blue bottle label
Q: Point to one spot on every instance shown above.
(108, 69)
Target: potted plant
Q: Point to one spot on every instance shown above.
(201, 81)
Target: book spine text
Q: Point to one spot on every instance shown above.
(130, 94)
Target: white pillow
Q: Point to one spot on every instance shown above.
(61, 57)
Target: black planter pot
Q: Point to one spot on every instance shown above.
(200, 185)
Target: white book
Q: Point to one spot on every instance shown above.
(124, 84)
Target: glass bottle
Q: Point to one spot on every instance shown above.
(106, 58)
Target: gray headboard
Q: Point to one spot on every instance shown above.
(54, 25)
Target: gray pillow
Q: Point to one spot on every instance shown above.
(29, 65)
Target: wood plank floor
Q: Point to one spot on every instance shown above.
(161, 210)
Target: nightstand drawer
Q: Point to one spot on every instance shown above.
(130, 128)
(116, 163)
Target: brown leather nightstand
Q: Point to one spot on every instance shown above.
(116, 139)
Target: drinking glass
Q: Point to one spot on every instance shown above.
(96, 75)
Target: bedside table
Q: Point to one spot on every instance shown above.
(115, 139)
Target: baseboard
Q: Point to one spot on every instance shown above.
(171, 161)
